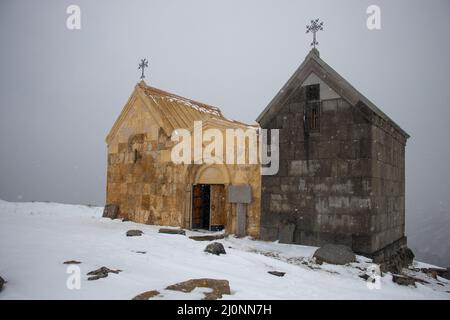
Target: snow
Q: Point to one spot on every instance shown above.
(36, 238)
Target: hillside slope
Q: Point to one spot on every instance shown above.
(36, 238)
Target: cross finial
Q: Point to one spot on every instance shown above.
(143, 65)
(314, 27)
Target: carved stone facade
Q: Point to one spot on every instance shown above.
(148, 187)
(342, 166)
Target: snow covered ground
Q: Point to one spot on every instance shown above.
(36, 238)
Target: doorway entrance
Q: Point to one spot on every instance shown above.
(208, 207)
(201, 206)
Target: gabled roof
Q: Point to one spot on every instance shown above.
(314, 64)
(172, 111)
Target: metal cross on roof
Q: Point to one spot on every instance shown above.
(143, 65)
(314, 28)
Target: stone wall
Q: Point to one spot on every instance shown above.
(247, 174)
(145, 188)
(148, 188)
(344, 184)
(387, 185)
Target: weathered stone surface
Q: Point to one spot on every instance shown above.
(148, 187)
(134, 233)
(342, 183)
(219, 287)
(403, 280)
(215, 248)
(172, 231)
(240, 193)
(277, 273)
(334, 254)
(101, 273)
(110, 211)
(286, 233)
(71, 262)
(2, 282)
(146, 295)
(435, 272)
(208, 237)
(395, 262)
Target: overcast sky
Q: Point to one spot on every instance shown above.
(61, 90)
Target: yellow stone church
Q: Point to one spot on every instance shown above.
(144, 184)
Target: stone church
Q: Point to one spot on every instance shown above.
(341, 176)
(342, 166)
(146, 186)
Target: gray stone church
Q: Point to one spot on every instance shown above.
(342, 166)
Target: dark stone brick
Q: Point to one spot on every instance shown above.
(344, 184)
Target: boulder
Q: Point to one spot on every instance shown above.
(219, 287)
(215, 248)
(101, 273)
(2, 282)
(110, 211)
(172, 231)
(146, 295)
(400, 259)
(134, 233)
(334, 254)
(435, 272)
(403, 280)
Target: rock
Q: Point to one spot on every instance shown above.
(219, 287)
(364, 276)
(110, 211)
(134, 233)
(403, 280)
(172, 231)
(215, 248)
(101, 273)
(71, 262)
(146, 295)
(277, 273)
(400, 259)
(208, 237)
(435, 272)
(2, 282)
(334, 254)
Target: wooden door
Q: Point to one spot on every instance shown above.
(218, 214)
(201, 206)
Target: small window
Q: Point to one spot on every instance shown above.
(313, 92)
(315, 116)
(137, 156)
(312, 117)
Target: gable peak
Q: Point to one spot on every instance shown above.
(313, 52)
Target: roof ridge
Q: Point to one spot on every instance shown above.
(161, 92)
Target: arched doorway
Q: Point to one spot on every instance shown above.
(209, 208)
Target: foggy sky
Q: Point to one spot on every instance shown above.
(62, 90)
